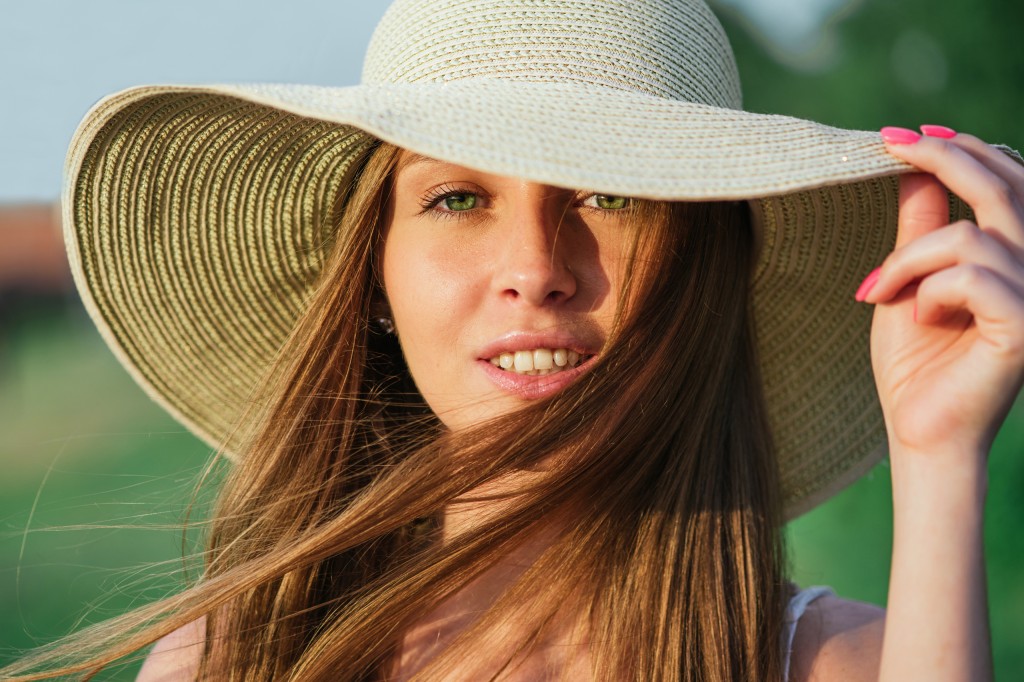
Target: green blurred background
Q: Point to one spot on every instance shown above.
(96, 478)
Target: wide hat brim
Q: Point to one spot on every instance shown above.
(197, 221)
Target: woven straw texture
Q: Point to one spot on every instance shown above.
(197, 218)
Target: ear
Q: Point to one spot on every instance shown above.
(380, 320)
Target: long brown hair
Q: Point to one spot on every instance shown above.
(320, 551)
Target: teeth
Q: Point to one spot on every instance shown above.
(524, 361)
(537, 362)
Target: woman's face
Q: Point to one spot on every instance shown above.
(502, 291)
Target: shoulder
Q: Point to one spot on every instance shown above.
(838, 639)
(176, 657)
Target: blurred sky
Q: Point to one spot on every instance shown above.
(58, 57)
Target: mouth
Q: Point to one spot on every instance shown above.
(535, 365)
(538, 361)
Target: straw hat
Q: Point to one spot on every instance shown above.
(192, 214)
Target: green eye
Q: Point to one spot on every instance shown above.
(610, 203)
(460, 202)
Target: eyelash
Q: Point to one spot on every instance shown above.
(430, 201)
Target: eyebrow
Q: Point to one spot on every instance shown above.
(412, 158)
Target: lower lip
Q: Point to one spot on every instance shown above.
(533, 387)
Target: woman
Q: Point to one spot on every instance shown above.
(489, 427)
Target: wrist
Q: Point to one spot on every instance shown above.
(951, 477)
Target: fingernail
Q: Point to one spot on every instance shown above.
(938, 131)
(867, 285)
(915, 311)
(894, 135)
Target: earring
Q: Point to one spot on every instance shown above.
(386, 325)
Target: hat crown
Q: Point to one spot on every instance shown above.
(674, 49)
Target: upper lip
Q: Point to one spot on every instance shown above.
(526, 340)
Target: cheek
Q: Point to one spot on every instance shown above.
(612, 264)
(432, 292)
(425, 285)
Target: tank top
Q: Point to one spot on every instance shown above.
(795, 609)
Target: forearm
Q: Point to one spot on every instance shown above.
(937, 621)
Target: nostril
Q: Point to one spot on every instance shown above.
(556, 296)
(534, 268)
(539, 293)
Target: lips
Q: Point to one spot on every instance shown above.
(535, 365)
(538, 361)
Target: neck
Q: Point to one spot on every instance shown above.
(484, 504)
(440, 627)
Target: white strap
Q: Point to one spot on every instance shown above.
(796, 607)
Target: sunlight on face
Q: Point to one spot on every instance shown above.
(502, 290)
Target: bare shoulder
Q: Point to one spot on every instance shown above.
(838, 639)
(176, 657)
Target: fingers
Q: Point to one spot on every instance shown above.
(995, 304)
(924, 207)
(959, 244)
(989, 181)
(1007, 168)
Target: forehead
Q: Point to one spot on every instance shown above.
(408, 160)
(414, 169)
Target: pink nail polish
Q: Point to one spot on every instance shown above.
(894, 135)
(938, 131)
(867, 285)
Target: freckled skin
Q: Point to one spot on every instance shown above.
(521, 257)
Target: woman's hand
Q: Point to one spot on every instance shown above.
(947, 339)
(947, 345)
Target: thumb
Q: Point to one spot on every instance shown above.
(924, 206)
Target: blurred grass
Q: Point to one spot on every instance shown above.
(96, 483)
(846, 543)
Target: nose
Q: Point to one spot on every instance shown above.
(535, 267)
